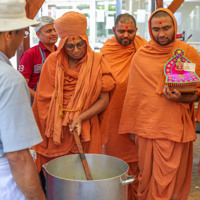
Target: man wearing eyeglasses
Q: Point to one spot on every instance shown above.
(73, 90)
(33, 59)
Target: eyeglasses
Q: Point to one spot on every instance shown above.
(79, 45)
(26, 34)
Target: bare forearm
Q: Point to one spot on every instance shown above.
(179, 97)
(99, 106)
(132, 137)
(25, 174)
(189, 98)
(32, 93)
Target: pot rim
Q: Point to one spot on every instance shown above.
(99, 180)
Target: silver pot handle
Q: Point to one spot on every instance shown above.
(129, 180)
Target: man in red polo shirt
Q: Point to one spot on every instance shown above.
(32, 60)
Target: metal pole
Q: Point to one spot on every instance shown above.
(118, 7)
(153, 5)
(92, 24)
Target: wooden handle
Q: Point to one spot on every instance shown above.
(82, 156)
(175, 5)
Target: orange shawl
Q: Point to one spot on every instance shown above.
(71, 88)
(146, 112)
(119, 57)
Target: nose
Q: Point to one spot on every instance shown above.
(76, 49)
(54, 32)
(125, 34)
(161, 33)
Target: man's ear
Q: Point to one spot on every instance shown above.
(8, 35)
(136, 29)
(113, 28)
(38, 34)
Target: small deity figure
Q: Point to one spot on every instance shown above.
(179, 67)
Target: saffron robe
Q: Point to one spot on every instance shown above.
(151, 117)
(118, 58)
(72, 89)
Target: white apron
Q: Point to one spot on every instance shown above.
(8, 187)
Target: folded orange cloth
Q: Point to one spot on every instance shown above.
(146, 112)
(60, 85)
(119, 58)
(164, 130)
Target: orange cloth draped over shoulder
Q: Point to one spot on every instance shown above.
(119, 58)
(73, 89)
(151, 117)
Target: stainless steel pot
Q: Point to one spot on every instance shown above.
(66, 179)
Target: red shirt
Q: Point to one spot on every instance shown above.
(31, 63)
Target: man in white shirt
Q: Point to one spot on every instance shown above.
(18, 131)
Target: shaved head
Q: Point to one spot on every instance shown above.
(160, 14)
(124, 19)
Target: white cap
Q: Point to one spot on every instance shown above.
(13, 15)
(43, 21)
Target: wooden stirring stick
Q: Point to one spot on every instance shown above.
(82, 156)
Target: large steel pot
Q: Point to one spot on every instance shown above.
(66, 179)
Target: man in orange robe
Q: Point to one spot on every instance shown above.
(73, 90)
(161, 121)
(118, 52)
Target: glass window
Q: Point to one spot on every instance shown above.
(188, 20)
(101, 15)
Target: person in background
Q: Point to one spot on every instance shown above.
(33, 59)
(73, 90)
(159, 121)
(118, 52)
(18, 130)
